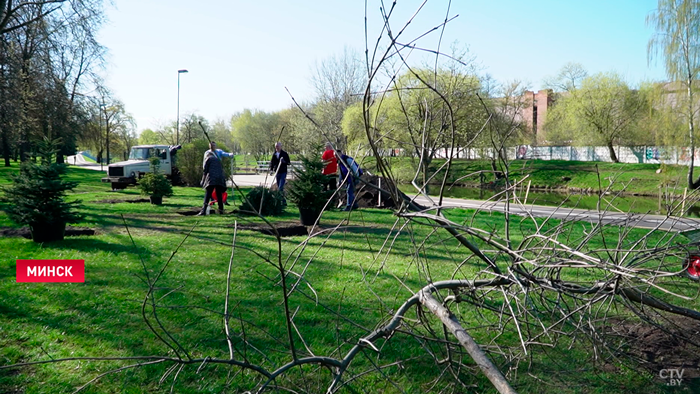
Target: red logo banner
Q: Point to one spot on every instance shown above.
(50, 271)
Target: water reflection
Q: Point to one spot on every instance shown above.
(694, 211)
(633, 204)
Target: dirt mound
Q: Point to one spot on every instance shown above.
(24, 232)
(663, 349)
(194, 211)
(285, 229)
(117, 201)
(370, 197)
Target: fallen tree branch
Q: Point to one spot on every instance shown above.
(450, 321)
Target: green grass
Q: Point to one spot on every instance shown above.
(559, 174)
(89, 160)
(102, 317)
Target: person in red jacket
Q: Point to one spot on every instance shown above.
(331, 166)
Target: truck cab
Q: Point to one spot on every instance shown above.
(125, 173)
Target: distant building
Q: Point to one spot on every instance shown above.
(534, 113)
(537, 104)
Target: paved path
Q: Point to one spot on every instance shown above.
(79, 160)
(612, 218)
(253, 180)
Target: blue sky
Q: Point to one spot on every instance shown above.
(242, 54)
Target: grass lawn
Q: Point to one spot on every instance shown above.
(352, 284)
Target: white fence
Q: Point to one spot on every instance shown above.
(626, 154)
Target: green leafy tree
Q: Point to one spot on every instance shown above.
(256, 131)
(604, 111)
(354, 128)
(427, 111)
(190, 160)
(221, 133)
(662, 123)
(299, 134)
(149, 137)
(677, 41)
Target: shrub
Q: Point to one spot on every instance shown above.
(190, 158)
(154, 183)
(189, 161)
(272, 202)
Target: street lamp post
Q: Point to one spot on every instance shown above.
(103, 108)
(177, 137)
(102, 160)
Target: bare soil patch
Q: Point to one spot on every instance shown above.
(194, 211)
(660, 349)
(285, 229)
(25, 233)
(117, 201)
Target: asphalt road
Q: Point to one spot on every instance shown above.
(668, 223)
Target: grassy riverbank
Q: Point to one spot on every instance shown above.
(640, 179)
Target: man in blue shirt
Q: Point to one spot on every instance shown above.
(347, 175)
(218, 152)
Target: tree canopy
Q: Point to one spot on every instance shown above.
(677, 41)
(603, 111)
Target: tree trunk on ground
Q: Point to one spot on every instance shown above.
(480, 358)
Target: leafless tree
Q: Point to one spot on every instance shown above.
(49, 48)
(338, 82)
(18, 14)
(568, 79)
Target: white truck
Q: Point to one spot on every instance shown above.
(125, 173)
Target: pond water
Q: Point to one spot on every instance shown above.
(635, 204)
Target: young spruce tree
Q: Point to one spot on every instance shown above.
(36, 197)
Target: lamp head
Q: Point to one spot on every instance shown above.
(182, 71)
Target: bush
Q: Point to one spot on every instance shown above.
(189, 161)
(190, 158)
(273, 202)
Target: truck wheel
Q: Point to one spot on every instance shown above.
(692, 267)
(119, 186)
